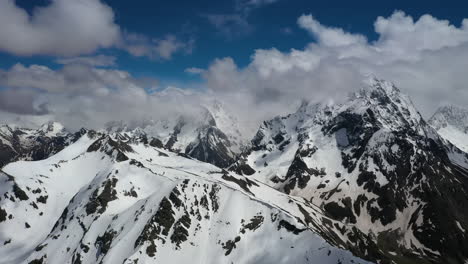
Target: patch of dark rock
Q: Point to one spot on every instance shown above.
(242, 168)
(174, 197)
(214, 197)
(19, 193)
(84, 247)
(131, 193)
(121, 157)
(34, 205)
(37, 261)
(40, 247)
(98, 202)
(76, 259)
(3, 215)
(278, 138)
(63, 218)
(95, 146)
(361, 199)
(156, 143)
(181, 227)
(335, 211)
(162, 154)
(277, 179)
(289, 227)
(104, 242)
(321, 186)
(244, 183)
(136, 163)
(230, 245)
(27, 225)
(42, 199)
(307, 217)
(254, 224)
(159, 224)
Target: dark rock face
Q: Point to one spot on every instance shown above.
(115, 147)
(212, 146)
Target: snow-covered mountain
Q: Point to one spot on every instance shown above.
(376, 165)
(114, 199)
(33, 144)
(367, 180)
(209, 133)
(451, 122)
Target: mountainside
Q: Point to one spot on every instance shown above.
(33, 144)
(451, 123)
(376, 165)
(367, 181)
(112, 198)
(208, 134)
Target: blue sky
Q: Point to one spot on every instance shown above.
(267, 24)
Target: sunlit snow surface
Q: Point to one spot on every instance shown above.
(155, 206)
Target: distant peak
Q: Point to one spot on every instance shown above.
(450, 115)
(52, 128)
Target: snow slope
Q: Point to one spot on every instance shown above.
(109, 198)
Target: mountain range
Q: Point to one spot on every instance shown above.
(365, 181)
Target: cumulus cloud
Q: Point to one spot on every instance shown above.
(68, 28)
(329, 36)
(63, 28)
(426, 57)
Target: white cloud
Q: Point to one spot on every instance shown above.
(329, 36)
(63, 28)
(427, 58)
(72, 78)
(95, 61)
(78, 95)
(68, 28)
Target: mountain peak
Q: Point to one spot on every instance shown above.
(378, 89)
(450, 115)
(51, 128)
